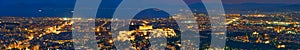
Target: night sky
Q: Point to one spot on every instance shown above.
(262, 1)
(63, 8)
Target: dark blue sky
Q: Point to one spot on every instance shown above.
(63, 8)
(262, 1)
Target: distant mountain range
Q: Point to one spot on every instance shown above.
(253, 7)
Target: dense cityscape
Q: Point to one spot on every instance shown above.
(244, 31)
(149, 24)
